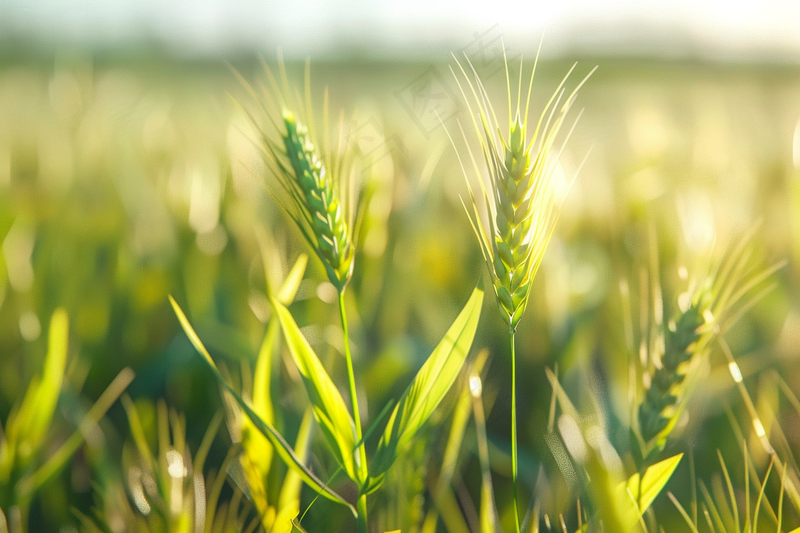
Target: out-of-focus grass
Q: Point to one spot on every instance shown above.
(121, 182)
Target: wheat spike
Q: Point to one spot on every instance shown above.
(521, 199)
(310, 173)
(657, 410)
(320, 206)
(727, 292)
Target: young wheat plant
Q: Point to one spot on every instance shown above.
(521, 197)
(313, 178)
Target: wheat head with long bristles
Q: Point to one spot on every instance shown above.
(727, 291)
(682, 343)
(311, 174)
(521, 198)
(317, 201)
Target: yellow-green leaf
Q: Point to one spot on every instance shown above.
(289, 497)
(329, 407)
(430, 385)
(27, 429)
(289, 288)
(255, 446)
(281, 446)
(653, 482)
(56, 462)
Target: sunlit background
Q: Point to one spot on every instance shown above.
(128, 172)
(768, 30)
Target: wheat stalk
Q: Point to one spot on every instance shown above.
(314, 177)
(521, 198)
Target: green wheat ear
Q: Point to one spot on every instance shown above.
(316, 201)
(317, 180)
(726, 293)
(668, 382)
(521, 198)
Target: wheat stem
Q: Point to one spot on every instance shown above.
(514, 464)
(361, 507)
(361, 460)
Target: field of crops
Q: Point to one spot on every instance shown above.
(664, 318)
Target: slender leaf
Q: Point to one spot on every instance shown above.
(329, 407)
(27, 429)
(430, 385)
(289, 499)
(654, 480)
(262, 402)
(57, 461)
(258, 450)
(281, 446)
(290, 286)
(442, 492)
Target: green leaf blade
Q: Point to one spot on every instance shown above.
(282, 447)
(653, 481)
(29, 426)
(431, 383)
(329, 407)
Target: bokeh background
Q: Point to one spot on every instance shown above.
(127, 173)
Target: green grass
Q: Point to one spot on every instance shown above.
(124, 182)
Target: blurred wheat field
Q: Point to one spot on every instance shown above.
(124, 181)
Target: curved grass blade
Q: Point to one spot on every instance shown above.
(430, 385)
(444, 499)
(329, 407)
(281, 446)
(488, 511)
(612, 504)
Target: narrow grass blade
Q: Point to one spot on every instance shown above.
(57, 461)
(488, 512)
(712, 508)
(731, 493)
(257, 449)
(27, 429)
(289, 288)
(444, 499)
(683, 512)
(281, 446)
(329, 407)
(289, 498)
(430, 384)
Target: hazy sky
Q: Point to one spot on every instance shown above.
(390, 27)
